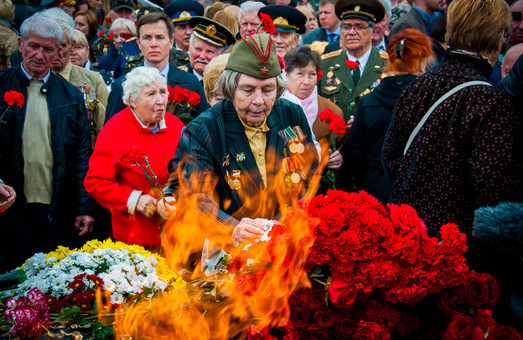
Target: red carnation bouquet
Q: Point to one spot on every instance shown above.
(12, 98)
(337, 127)
(377, 274)
(182, 102)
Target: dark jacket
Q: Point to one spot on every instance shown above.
(361, 149)
(512, 84)
(218, 132)
(71, 143)
(412, 19)
(317, 34)
(468, 154)
(108, 61)
(175, 77)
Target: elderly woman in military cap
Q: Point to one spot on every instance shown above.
(243, 144)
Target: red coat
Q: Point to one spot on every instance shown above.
(111, 182)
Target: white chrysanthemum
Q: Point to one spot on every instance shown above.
(117, 298)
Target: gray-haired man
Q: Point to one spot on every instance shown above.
(45, 149)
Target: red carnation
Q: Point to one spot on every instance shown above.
(127, 36)
(14, 97)
(110, 36)
(325, 115)
(483, 319)
(101, 33)
(108, 19)
(342, 294)
(352, 64)
(194, 99)
(267, 24)
(337, 126)
(320, 74)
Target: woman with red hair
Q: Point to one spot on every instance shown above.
(409, 54)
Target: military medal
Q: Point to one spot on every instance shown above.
(240, 157)
(226, 160)
(236, 181)
(330, 74)
(300, 148)
(295, 178)
(287, 180)
(293, 147)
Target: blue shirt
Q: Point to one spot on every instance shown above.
(427, 19)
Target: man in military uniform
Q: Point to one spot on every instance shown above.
(208, 40)
(180, 12)
(155, 40)
(289, 24)
(357, 68)
(90, 83)
(241, 145)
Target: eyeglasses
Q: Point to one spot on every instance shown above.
(357, 27)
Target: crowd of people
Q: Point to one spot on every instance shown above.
(430, 92)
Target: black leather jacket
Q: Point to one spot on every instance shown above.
(70, 143)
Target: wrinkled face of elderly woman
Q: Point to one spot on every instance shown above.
(254, 99)
(150, 104)
(302, 80)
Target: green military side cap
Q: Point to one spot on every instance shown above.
(369, 10)
(255, 56)
(212, 32)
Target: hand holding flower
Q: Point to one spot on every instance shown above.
(166, 208)
(146, 205)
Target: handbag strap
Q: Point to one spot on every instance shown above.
(436, 104)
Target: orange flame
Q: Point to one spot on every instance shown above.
(220, 306)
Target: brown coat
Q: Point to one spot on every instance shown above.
(321, 129)
(8, 44)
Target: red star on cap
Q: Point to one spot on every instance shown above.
(264, 70)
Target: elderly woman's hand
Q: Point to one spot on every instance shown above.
(335, 160)
(166, 210)
(146, 205)
(247, 229)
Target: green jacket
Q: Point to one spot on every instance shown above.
(336, 83)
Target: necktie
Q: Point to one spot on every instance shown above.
(331, 37)
(356, 74)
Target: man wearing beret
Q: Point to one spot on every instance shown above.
(289, 24)
(356, 69)
(242, 144)
(180, 12)
(208, 40)
(155, 39)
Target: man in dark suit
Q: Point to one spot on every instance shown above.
(421, 17)
(155, 39)
(242, 145)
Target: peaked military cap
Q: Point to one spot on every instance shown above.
(369, 10)
(143, 10)
(255, 55)
(117, 4)
(212, 32)
(285, 18)
(181, 11)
